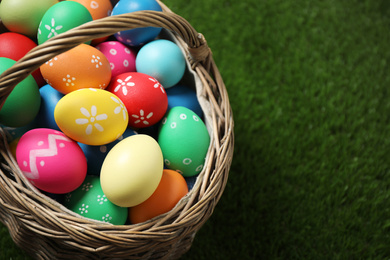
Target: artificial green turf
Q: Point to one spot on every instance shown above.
(308, 82)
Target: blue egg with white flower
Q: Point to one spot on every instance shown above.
(181, 95)
(137, 36)
(96, 154)
(49, 100)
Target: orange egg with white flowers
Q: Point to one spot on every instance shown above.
(81, 67)
(171, 189)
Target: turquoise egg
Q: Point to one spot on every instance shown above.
(163, 60)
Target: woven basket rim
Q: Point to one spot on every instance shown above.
(27, 212)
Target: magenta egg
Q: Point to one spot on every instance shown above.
(121, 57)
(51, 161)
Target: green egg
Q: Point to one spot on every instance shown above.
(22, 105)
(62, 17)
(24, 16)
(89, 201)
(184, 141)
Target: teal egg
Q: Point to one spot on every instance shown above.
(60, 18)
(184, 141)
(89, 201)
(163, 60)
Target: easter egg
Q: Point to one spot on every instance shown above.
(81, 67)
(49, 100)
(184, 96)
(163, 60)
(132, 170)
(137, 36)
(121, 57)
(144, 97)
(170, 190)
(60, 18)
(22, 105)
(51, 161)
(184, 141)
(96, 154)
(91, 116)
(14, 46)
(24, 16)
(89, 201)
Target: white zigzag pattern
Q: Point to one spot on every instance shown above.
(51, 151)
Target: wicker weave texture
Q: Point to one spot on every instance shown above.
(47, 230)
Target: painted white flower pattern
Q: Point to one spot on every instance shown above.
(96, 60)
(90, 120)
(51, 61)
(157, 85)
(107, 218)
(142, 118)
(120, 108)
(87, 186)
(53, 28)
(101, 199)
(124, 84)
(69, 81)
(84, 208)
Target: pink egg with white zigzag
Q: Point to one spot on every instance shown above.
(51, 161)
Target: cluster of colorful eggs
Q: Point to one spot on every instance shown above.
(107, 128)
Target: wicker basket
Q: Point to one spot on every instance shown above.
(47, 230)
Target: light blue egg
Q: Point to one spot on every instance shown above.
(49, 100)
(163, 60)
(96, 154)
(181, 95)
(137, 36)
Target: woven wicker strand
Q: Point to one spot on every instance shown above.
(47, 230)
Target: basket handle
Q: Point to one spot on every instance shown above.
(199, 52)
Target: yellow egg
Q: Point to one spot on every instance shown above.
(91, 116)
(132, 170)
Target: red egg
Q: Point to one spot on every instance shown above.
(144, 97)
(14, 46)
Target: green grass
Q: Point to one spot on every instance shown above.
(309, 87)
